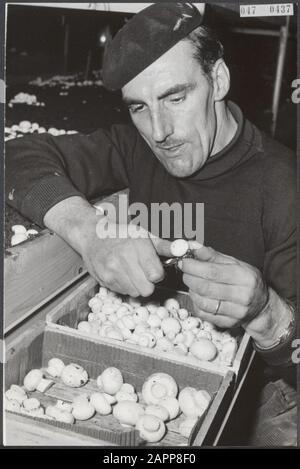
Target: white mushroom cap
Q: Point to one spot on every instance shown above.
(151, 428)
(111, 380)
(17, 239)
(186, 426)
(128, 412)
(203, 349)
(157, 387)
(172, 406)
(32, 379)
(19, 229)
(179, 247)
(158, 411)
(101, 405)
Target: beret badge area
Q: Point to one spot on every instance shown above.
(145, 38)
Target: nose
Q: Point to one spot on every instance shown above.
(161, 126)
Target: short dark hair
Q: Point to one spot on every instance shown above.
(207, 48)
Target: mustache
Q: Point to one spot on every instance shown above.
(170, 144)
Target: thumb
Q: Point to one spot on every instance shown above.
(162, 246)
(207, 254)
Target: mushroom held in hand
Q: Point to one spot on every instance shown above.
(193, 403)
(110, 381)
(151, 428)
(32, 380)
(74, 375)
(179, 247)
(128, 412)
(203, 349)
(157, 387)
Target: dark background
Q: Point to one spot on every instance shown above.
(35, 48)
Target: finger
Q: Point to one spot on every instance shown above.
(232, 274)
(162, 246)
(224, 322)
(218, 291)
(225, 308)
(209, 254)
(138, 278)
(149, 261)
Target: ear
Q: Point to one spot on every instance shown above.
(221, 80)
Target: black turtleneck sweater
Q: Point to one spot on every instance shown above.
(248, 189)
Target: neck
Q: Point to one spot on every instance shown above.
(226, 127)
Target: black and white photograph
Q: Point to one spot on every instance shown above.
(150, 228)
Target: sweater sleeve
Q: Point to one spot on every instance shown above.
(279, 222)
(42, 170)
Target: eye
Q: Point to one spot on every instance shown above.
(136, 108)
(177, 98)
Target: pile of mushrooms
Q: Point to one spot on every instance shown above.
(148, 412)
(25, 98)
(165, 328)
(21, 234)
(27, 127)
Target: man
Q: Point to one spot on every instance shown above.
(188, 145)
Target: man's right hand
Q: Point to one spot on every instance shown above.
(126, 264)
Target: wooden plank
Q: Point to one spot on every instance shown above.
(20, 431)
(34, 272)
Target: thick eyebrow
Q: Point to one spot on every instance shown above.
(173, 90)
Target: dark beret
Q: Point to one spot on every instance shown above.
(144, 38)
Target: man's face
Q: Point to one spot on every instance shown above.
(172, 106)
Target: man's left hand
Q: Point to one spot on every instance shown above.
(224, 290)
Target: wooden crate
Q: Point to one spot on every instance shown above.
(36, 347)
(66, 316)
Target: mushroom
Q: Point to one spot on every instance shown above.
(183, 314)
(126, 396)
(151, 428)
(157, 387)
(101, 405)
(122, 311)
(179, 247)
(32, 380)
(181, 349)
(74, 375)
(162, 312)
(193, 403)
(158, 411)
(128, 412)
(154, 321)
(15, 395)
(228, 352)
(171, 305)
(141, 327)
(65, 406)
(55, 367)
(188, 338)
(85, 327)
(82, 409)
(141, 313)
(134, 302)
(128, 388)
(17, 239)
(115, 334)
(12, 405)
(39, 412)
(190, 323)
(128, 322)
(31, 403)
(172, 406)
(59, 414)
(102, 293)
(207, 326)
(147, 340)
(203, 349)
(171, 327)
(186, 426)
(109, 398)
(202, 334)
(19, 229)
(165, 345)
(111, 380)
(152, 307)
